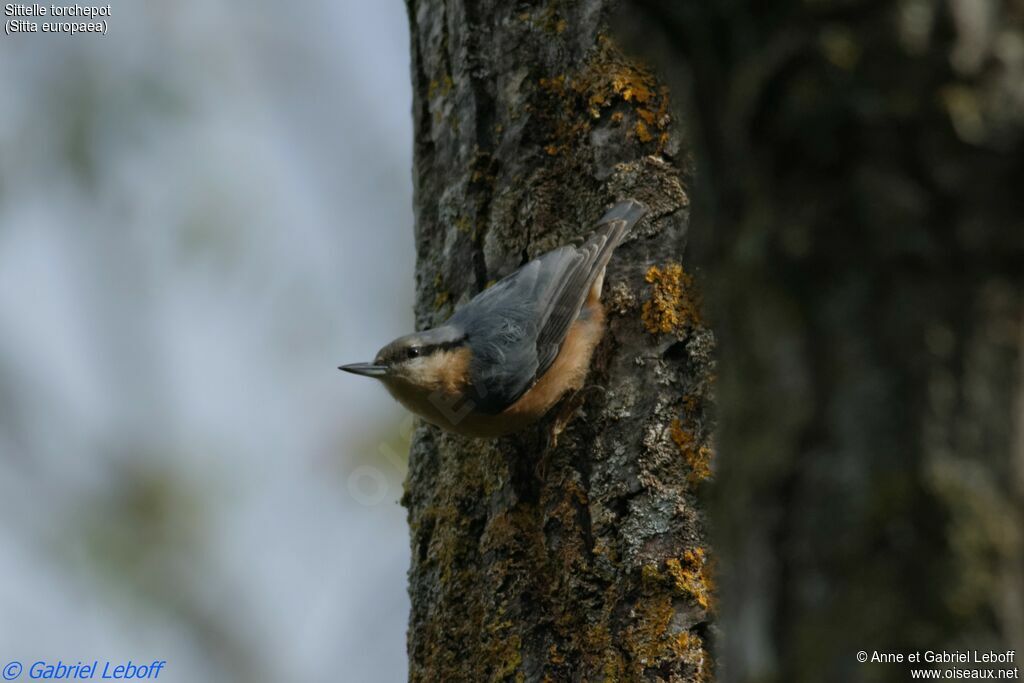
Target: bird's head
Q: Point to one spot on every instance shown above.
(427, 361)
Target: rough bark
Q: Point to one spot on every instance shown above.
(861, 174)
(581, 557)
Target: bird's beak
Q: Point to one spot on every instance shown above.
(365, 369)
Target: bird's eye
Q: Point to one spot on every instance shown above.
(412, 352)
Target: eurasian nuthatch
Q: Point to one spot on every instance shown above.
(506, 357)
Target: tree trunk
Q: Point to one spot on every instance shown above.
(861, 176)
(575, 550)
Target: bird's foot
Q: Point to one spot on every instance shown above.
(569, 408)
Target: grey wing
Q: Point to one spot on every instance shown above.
(501, 325)
(518, 325)
(573, 283)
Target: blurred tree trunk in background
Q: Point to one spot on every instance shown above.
(860, 209)
(583, 557)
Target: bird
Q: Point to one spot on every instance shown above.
(506, 357)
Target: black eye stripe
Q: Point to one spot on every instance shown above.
(444, 346)
(410, 352)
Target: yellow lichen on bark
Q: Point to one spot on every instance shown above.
(443, 296)
(607, 77)
(642, 133)
(649, 640)
(688, 577)
(690, 647)
(654, 637)
(674, 304)
(506, 653)
(692, 577)
(652, 640)
(697, 456)
(442, 87)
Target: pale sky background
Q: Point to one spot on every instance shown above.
(202, 214)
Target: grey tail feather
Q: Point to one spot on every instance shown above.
(615, 224)
(630, 211)
(612, 228)
(608, 233)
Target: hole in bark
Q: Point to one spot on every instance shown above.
(423, 542)
(707, 635)
(620, 506)
(675, 352)
(525, 464)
